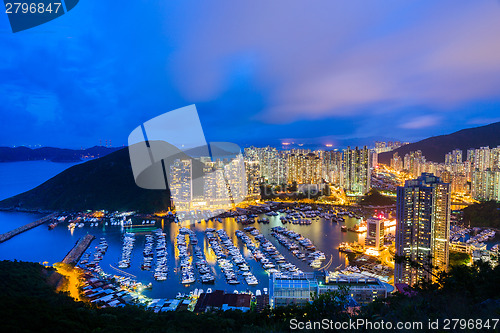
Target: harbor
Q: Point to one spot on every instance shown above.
(174, 260)
(74, 255)
(19, 230)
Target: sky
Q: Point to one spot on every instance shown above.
(260, 72)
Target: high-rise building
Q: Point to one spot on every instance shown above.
(332, 167)
(181, 186)
(414, 163)
(422, 230)
(272, 164)
(357, 170)
(374, 233)
(455, 157)
(252, 170)
(396, 162)
(304, 168)
(485, 184)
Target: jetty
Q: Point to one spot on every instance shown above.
(76, 252)
(17, 231)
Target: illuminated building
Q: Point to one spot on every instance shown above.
(234, 172)
(252, 169)
(304, 168)
(288, 288)
(422, 230)
(485, 184)
(414, 163)
(332, 167)
(455, 157)
(396, 162)
(181, 186)
(374, 233)
(382, 146)
(272, 164)
(357, 170)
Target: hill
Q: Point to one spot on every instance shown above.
(104, 183)
(434, 148)
(17, 154)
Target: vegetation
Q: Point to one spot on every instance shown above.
(105, 183)
(375, 198)
(485, 214)
(435, 148)
(29, 303)
(459, 258)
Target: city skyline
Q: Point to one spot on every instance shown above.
(253, 166)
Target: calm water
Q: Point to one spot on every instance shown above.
(18, 177)
(43, 245)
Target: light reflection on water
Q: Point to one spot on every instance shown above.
(41, 244)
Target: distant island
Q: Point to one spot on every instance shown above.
(19, 154)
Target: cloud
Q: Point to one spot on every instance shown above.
(319, 60)
(483, 121)
(257, 69)
(421, 122)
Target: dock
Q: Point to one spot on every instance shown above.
(76, 252)
(17, 231)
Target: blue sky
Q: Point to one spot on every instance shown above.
(258, 71)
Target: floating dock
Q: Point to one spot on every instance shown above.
(17, 231)
(76, 252)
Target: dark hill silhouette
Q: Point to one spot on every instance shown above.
(104, 183)
(9, 154)
(434, 148)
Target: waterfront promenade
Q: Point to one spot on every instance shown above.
(17, 231)
(76, 252)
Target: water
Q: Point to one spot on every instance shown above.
(18, 177)
(50, 246)
(43, 245)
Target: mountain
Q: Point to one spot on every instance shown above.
(9, 154)
(434, 148)
(103, 183)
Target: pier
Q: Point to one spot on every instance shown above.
(76, 252)
(17, 231)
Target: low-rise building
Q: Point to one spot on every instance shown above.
(218, 300)
(286, 288)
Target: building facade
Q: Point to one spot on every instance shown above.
(374, 233)
(286, 288)
(357, 170)
(422, 230)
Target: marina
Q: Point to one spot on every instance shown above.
(148, 253)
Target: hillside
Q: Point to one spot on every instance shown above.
(28, 303)
(484, 214)
(104, 183)
(9, 154)
(434, 148)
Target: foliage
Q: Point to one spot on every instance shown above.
(485, 214)
(375, 198)
(105, 183)
(28, 303)
(459, 258)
